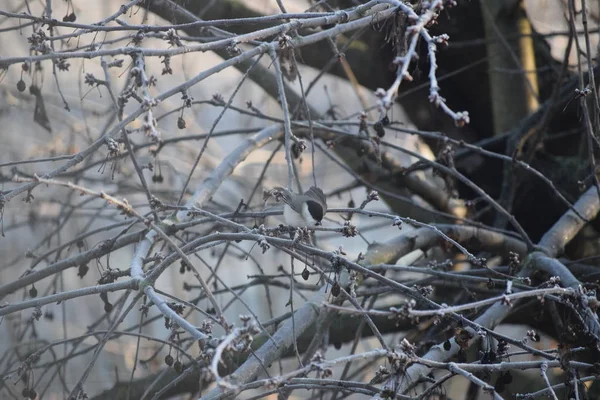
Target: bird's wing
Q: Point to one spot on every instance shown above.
(317, 194)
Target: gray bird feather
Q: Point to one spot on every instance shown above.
(295, 201)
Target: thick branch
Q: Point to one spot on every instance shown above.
(556, 238)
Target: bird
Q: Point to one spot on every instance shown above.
(302, 210)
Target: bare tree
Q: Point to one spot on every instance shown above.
(160, 132)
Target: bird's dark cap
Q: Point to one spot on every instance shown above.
(315, 210)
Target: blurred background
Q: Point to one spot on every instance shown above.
(63, 115)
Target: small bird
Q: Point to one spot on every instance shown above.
(302, 210)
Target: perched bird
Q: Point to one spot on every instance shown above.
(302, 210)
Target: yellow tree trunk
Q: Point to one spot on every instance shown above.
(514, 94)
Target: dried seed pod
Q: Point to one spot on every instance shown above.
(169, 360)
(157, 178)
(181, 123)
(82, 270)
(296, 152)
(335, 289)
(378, 126)
(305, 274)
(178, 366)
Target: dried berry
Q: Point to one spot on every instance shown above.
(178, 366)
(462, 337)
(33, 291)
(83, 269)
(21, 86)
(69, 17)
(335, 289)
(169, 360)
(181, 123)
(305, 274)
(296, 151)
(378, 126)
(32, 394)
(158, 178)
